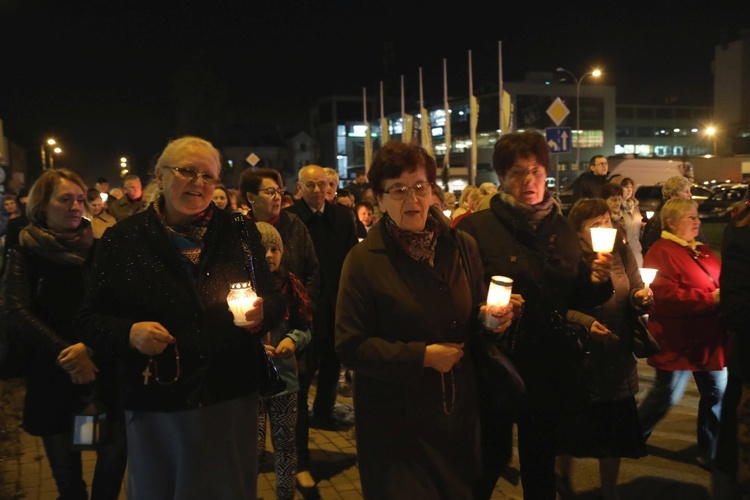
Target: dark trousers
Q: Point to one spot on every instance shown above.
(329, 370)
(302, 435)
(111, 461)
(537, 443)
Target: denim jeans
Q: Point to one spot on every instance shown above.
(668, 390)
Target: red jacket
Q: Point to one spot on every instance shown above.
(684, 317)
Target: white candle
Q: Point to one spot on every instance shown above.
(240, 299)
(649, 214)
(603, 239)
(498, 296)
(647, 275)
(87, 431)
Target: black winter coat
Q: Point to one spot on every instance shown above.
(138, 275)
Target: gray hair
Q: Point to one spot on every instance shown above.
(674, 185)
(673, 209)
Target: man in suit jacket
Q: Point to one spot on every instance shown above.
(333, 233)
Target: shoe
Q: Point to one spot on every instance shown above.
(327, 423)
(705, 463)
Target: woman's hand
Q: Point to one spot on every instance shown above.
(76, 361)
(255, 315)
(285, 349)
(443, 357)
(644, 296)
(150, 337)
(503, 315)
(597, 328)
(601, 267)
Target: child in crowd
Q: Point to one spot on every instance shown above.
(283, 343)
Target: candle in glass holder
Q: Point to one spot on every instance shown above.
(240, 299)
(497, 296)
(603, 239)
(647, 275)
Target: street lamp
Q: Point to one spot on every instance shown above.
(711, 132)
(45, 144)
(596, 74)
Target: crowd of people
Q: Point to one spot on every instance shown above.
(121, 298)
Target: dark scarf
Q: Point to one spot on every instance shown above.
(62, 248)
(188, 237)
(419, 245)
(531, 214)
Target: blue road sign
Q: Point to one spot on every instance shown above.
(558, 139)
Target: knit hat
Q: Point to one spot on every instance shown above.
(269, 235)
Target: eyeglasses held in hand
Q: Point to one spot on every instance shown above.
(400, 192)
(190, 174)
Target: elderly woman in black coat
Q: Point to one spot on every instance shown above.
(524, 236)
(158, 304)
(405, 308)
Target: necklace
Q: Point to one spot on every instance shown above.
(152, 362)
(453, 393)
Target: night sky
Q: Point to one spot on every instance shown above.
(113, 78)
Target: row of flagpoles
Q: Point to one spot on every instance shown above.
(425, 137)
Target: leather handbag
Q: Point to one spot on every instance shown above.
(270, 382)
(498, 380)
(644, 344)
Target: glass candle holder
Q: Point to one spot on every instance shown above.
(603, 239)
(498, 296)
(240, 299)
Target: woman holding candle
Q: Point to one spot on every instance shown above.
(524, 237)
(608, 428)
(685, 321)
(44, 285)
(404, 312)
(157, 301)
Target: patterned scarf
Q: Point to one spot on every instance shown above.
(62, 248)
(629, 205)
(531, 214)
(419, 245)
(188, 237)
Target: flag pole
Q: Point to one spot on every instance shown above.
(368, 144)
(383, 119)
(473, 129)
(403, 112)
(500, 129)
(447, 131)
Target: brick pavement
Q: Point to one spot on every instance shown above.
(669, 471)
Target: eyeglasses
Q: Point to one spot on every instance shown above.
(272, 191)
(400, 192)
(190, 174)
(311, 185)
(519, 172)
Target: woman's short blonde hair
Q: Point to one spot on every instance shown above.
(41, 192)
(674, 185)
(175, 150)
(673, 209)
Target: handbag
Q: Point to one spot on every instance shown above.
(270, 382)
(644, 344)
(498, 380)
(573, 368)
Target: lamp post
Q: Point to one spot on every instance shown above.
(48, 150)
(711, 132)
(596, 74)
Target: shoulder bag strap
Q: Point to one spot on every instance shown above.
(239, 221)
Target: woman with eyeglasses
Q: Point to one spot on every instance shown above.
(157, 302)
(685, 321)
(524, 236)
(262, 188)
(406, 305)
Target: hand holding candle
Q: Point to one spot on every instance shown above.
(603, 239)
(241, 299)
(498, 296)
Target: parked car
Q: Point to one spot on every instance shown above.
(719, 206)
(700, 193)
(649, 198)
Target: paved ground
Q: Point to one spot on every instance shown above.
(669, 471)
